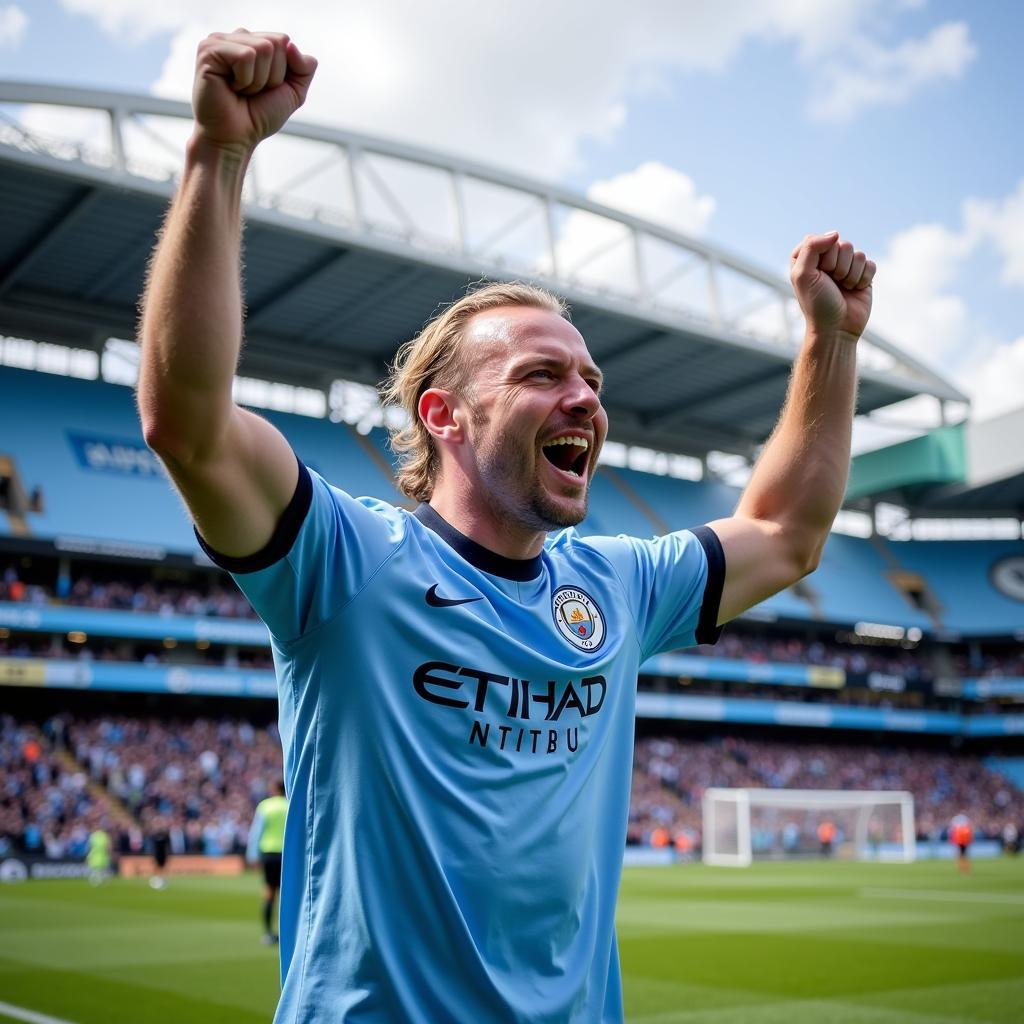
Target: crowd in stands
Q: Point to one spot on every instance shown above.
(846, 696)
(670, 776)
(47, 807)
(857, 692)
(740, 642)
(766, 648)
(13, 588)
(991, 663)
(121, 595)
(44, 646)
(202, 778)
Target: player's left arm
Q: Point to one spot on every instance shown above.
(777, 533)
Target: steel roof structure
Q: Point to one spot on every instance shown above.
(353, 242)
(972, 469)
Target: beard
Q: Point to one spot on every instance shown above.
(511, 486)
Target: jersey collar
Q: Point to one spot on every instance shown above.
(520, 569)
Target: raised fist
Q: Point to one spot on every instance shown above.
(247, 85)
(832, 282)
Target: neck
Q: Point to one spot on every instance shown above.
(476, 521)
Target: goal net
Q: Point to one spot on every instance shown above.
(744, 825)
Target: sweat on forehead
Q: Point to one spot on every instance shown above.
(494, 331)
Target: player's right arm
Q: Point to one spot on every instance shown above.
(234, 470)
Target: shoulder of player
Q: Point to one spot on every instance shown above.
(395, 517)
(592, 554)
(572, 544)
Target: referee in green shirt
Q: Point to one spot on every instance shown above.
(266, 838)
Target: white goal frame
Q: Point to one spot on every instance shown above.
(742, 800)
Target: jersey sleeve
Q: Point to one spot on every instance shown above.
(325, 548)
(673, 583)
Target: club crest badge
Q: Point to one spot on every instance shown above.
(1007, 576)
(578, 618)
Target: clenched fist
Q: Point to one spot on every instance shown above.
(832, 282)
(247, 85)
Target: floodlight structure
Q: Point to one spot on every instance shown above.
(744, 825)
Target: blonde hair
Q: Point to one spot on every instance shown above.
(433, 359)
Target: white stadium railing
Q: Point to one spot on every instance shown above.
(449, 208)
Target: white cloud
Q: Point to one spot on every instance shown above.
(132, 20)
(13, 22)
(870, 74)
(600, 252)
(918, 306)
(916, 302)
(523, 92)
(659, 194)
(526, 93)
(997, 384)
(1002, 223)
(913, 303)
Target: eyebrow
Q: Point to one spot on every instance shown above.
(588, 370)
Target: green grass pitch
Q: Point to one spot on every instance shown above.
(829, 943)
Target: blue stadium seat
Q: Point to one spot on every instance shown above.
(851, 585)
(958, 574)
(80, 441)
(681, 503)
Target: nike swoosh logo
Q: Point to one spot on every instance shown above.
(436, 601)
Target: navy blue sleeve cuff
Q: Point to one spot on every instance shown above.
(708, 630)
(281, 542)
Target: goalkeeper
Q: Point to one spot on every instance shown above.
(457, 684)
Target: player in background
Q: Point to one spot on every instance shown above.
(457, 683)
(826, 836)
(266, 844)
(160, 843)
(1011, 839)
(961, 835)
(98, 858)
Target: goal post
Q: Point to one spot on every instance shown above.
(744, 825)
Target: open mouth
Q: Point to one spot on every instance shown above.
(569, 454)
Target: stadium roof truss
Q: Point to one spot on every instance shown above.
(966, 469)
(352, 242)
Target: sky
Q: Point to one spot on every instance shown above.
(746, 123)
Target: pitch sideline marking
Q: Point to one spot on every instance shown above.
(939, 895)
(29, 1016)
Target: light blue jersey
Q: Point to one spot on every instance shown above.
(458, 743)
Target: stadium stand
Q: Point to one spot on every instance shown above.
(100, 482)
(47, 806)
(99, 479)
(87, 455)
(679, 504)
(959, 574)
(672, 774)
(852, 581)
(98, 590)
(896, 665)
(163, 608)
(205, 776)
(1011, 767)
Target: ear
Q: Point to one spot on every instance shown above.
(437, 409)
